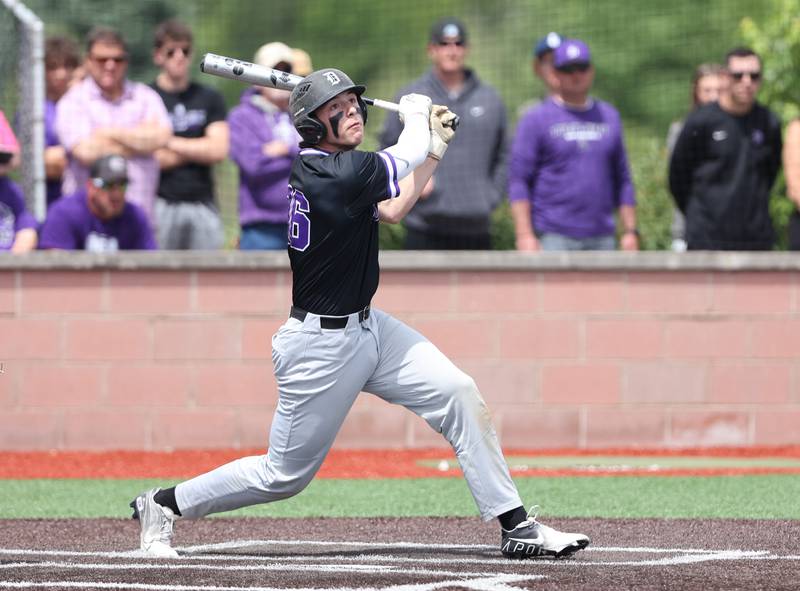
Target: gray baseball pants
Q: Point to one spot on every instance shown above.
(319, 373)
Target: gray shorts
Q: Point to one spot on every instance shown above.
(187, 226)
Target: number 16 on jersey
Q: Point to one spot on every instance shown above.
(299, 224)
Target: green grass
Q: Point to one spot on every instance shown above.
(745, 497)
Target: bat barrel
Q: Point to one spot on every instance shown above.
(233, 69)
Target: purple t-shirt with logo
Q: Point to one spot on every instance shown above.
(70, 225)
(13, 214)
(572, 167)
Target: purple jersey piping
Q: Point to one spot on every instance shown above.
(391, 169)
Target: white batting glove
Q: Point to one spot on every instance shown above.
(441, 123)
(411, 104)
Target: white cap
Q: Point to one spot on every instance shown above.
(271, 54)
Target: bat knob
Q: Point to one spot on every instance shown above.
(454, 123)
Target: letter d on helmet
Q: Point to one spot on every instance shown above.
(315, 90)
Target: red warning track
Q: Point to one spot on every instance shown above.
(361, 463)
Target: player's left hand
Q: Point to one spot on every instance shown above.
(442, 130)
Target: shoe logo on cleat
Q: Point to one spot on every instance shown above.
(529, 546)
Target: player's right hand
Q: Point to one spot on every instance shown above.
(442, 130)
(411, 104)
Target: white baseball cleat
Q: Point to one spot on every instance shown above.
(531, 539)
(156, 525)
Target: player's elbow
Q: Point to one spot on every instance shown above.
(389, 214)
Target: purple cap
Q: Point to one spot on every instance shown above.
(571, 51)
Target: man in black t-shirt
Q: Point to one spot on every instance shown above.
(725, 162)
(186, 213)
(334, 345)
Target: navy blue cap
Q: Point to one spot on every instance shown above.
(546, 44)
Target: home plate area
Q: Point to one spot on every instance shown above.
(409, 554)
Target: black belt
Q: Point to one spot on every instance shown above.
(328, 322)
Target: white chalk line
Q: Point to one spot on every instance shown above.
(163, 565)
(362, 564)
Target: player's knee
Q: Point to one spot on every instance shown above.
(463, 388)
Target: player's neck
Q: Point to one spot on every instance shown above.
(168, 83)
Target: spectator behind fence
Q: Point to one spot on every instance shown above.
(187, 215)
(568, 171)
(725, 163)
(301, 62)
(17, 225)
(705, 89)
(263, 144)
(61, 62)
(543, 70)
(107, 114)
(98, 218)
(454, 211)
(543, 61)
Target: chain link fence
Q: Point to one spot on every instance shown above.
(644, 55)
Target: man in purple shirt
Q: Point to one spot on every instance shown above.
(98, 219)
(264, 144)
(568, 171)
(108, 114)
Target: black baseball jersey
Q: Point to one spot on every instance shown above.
(333, 227)
(721, 174)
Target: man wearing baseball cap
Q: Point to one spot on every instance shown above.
(568, 171)
(455, 209)
(98, 218)
(264, 144)
(543, 60)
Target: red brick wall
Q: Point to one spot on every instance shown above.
(107, 358)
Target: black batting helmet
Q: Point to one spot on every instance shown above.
(311, 93)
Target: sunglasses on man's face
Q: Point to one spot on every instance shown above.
(283, 67)
(5, 157)
(739, 76)
(108, 186)
(186, 51)
(570, 68)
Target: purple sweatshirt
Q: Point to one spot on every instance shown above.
(572, 167)
(13, 214)
(263, 181)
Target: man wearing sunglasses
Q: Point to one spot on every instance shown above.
(98, 218)
(568, 170)
(725, 162)
(186, 211)
(455, 208)
(106, 113)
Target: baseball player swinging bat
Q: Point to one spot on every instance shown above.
(233, 69)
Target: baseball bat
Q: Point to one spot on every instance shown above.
(233, 69)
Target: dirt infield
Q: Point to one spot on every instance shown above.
(420, 554)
